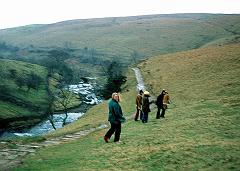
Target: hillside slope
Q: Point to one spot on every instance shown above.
(17, 102)
(148, 35)
(207, 75)
(200, 131)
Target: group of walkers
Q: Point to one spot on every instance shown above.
(116, 118)
(143, 105)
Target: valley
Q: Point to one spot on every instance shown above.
(74, 66)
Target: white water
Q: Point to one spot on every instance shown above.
(140, 83)
(86, 91)
(45, 126)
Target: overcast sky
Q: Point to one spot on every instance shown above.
(23, 12)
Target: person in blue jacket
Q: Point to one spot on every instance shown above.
(115, 118)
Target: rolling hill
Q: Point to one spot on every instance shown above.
(120, 37)
(92, 44)
(200, 131)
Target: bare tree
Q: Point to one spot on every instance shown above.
(50, 111)
(51, 102)
(64, 99)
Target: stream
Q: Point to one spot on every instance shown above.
(85, 90)
(140, 83)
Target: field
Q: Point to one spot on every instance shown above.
(200, 131)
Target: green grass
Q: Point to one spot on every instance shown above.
(32, 98)
(36, 98)
(200, 131)
(158, 145)
(9, 110)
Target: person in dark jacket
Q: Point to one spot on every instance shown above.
(138, 105)
(115, 118)
(160, 105)
(145, 106)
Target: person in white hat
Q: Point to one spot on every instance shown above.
(145, 106)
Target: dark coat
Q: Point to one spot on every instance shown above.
(159, 101)
(145, 104)
(115, 112)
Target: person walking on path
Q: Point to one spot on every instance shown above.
(145, 106)
(115, 118)
(138, 105)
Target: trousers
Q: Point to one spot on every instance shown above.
(162, 113)
(115, 128)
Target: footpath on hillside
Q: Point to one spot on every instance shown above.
(10, 157)
(11, 154)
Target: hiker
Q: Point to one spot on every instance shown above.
(162, 101)
(145, 106)
(166, 102)
(115, 118)
(139, 105)
(159, 104)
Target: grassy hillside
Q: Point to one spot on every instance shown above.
(19, 102)
(148, 35)
(31, 97)
(200, 131)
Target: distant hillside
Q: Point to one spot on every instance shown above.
(119, 37)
